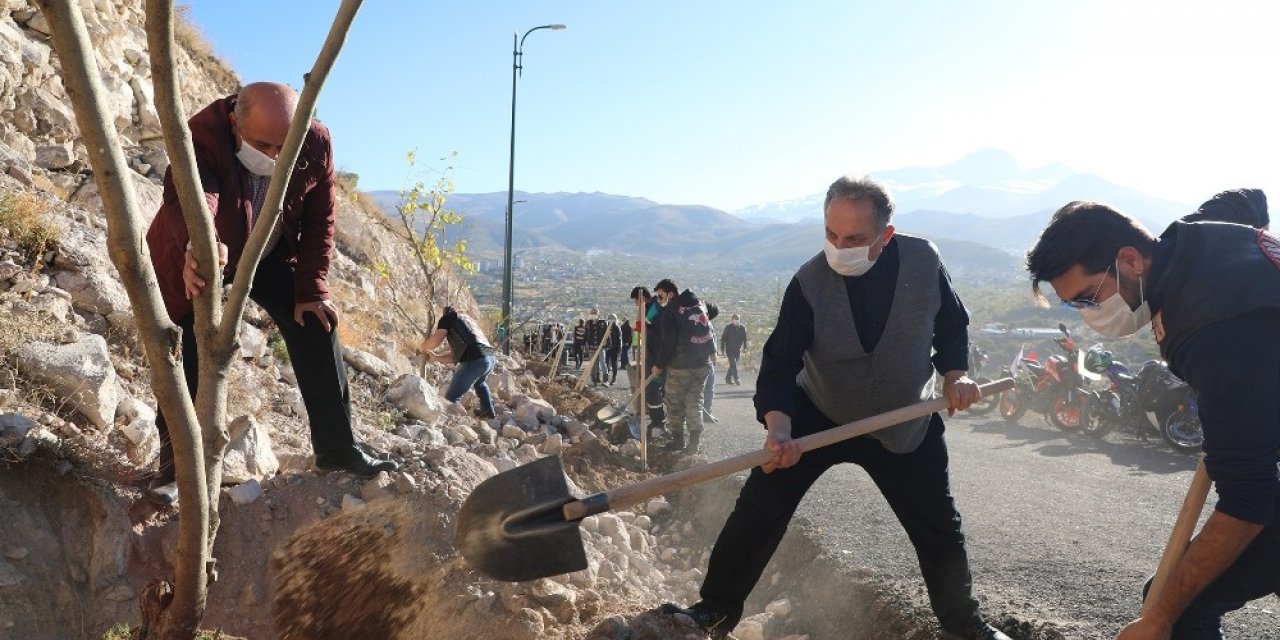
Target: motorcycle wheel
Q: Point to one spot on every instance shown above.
(1182, 431)
(1068, 416)
(1012, 405)
(987, 404)
(1096, 422)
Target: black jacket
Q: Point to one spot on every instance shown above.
(1215, 300)
(734, 338)
(688, 340)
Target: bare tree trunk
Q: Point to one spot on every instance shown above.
(162, 340)
(177, 614)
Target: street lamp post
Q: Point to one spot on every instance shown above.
(517, 52)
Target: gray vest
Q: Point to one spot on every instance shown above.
(844, 381)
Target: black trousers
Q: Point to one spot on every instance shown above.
(315, 354)
(732, 374)
(611, 364)
(1255, 574)
(915, 484)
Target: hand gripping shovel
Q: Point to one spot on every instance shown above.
(522, 524)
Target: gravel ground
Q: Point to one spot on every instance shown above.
(1061, 528)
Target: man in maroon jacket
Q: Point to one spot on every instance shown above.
(236, 141)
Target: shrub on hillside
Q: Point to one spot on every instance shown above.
(24, 221)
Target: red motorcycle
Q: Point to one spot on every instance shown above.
(1053, 388)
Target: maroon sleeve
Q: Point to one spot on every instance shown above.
(315, 243)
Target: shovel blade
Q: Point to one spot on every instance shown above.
(511, 527)
(610, 415)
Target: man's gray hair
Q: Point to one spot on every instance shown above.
(857, 187)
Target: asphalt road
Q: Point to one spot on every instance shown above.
(1061, 528)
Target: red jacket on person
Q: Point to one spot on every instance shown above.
(307, 217)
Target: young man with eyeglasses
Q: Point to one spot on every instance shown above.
(1211, 292)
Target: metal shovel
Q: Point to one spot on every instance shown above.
(522, 524)
(612, 414)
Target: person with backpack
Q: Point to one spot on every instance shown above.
(471, 350)
(684, 357)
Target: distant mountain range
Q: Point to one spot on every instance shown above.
(989, 184)
(983, 211)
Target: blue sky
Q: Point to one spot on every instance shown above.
(729, 104)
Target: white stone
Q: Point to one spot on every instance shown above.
(55, 156)
(526, 415)
(512, 431)
(253, 342)
(780, 608)
(753, 627)
(367, 362)
(405, 483)
(658, 508)
(525, 454)
(503, 464)
(485, 432)
(418, 398)
(245, 492)
(249, 455)
(377, 487)
(291, 397)
(468, 435)
(351, 503)
(80, 372)
(553, 445)
(609, 524)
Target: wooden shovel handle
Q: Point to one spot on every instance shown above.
(640, 491)
(1180, 537)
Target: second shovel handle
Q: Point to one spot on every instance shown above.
(1180, 537)
(640, 491)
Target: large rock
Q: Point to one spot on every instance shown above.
(85, 271)
(253, 342)
(148, 193)
(80, 372)
(366, 362)
(249, 455)
(418, 398)
(530, 412)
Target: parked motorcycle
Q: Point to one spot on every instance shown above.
(1053, 388)
(977, 357)
(1153, 400)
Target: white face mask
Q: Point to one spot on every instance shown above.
(853, 261)
(257, 162)
(1113, 318)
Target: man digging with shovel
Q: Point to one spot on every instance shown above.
(1211, 292)
(854, 336)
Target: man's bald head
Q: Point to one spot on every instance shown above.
(264, 111)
